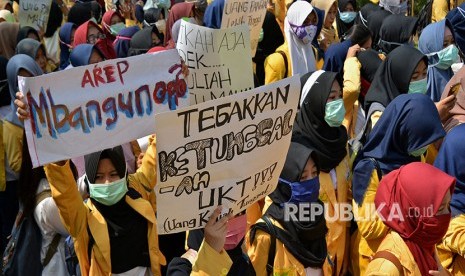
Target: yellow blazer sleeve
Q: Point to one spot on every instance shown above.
(454, 240)
(274, 68)
(258, 251)
(382, 267)
(351, 87)
(13, 143)
(439, 10)
(67, 198)
(146, 175)
(210, 262)
(368, 221)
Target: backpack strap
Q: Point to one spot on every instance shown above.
(52, 249)
(272, 251)
(390, 257)
(285, 62)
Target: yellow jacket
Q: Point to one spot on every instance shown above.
(396, 245)
(13, 145)
(210, 262)
(275, 67)
(452, 249)
(337, 239)
(439, 10)
(284, 262)
(78, 216)
(371, 230)
(350, 93)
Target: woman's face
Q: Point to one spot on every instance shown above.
(444, 208)
(448, 38)
(331, 16)
(106, 172)
(336, 92)
(71, 39)
(155, 40)
(420, 72)
(95, 57)
(33, 36)
(310, 170)
(367, 44)
(41, 59)
(24, 73)
(349, 8)
(312, 19)
(93, 34)
(115, 19)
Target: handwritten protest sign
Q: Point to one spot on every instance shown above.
(249, 12)
(229, 151)
(89, 108)
(219, 61)
(34, 13)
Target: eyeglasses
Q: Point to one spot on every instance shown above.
(92, 39)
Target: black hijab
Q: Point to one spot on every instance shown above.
(80, 13)
(116, 156)
(370, 62)
(396, 29)
(342, 27)
(394, 75)
(5, 97)
(365, 11)
(24, 33)
(141, 41)
(54, 20)
(374, 21)
(329, 142)
(304, 239)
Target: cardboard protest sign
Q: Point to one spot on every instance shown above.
(34, 13)
(90, 108)
(249, 12)
(219, 61)
(229, 151)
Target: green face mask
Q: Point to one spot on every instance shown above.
(419, 152)
(419, 86)
(334, 113)
(109, 194)
(447, 57)
(115, 28)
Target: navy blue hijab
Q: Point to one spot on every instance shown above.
(319, 27)
(80, 55)
(457, 19)
(410, 122)
(214, 14)
(65, 42)
(451, 160)
(336, 55)
(123, 41)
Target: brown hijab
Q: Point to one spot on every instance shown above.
(458, 111)
(8, 34)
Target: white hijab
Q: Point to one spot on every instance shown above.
(302, 56)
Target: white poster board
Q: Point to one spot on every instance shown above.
(248, 12)
(90, 108)
(34, 13)
(229, 151)
(219, 61)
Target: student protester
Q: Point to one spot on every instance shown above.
(407, 127)
(144, 40)
(177, 12)
(51, 35)
(328, 34)
(123, 40)
(7, 16)
(13, 128)
(295, 245)
(296, 55)
(450, 160)
(66, 35)
(365, 11)
(457, 113)
(409, 247)
(375, 20)
(399, 7)
(347, 12)
(214, 14)
(35, 50)
(438, 44)
(27, 32)
(91, 33)
(456, 18)
(397, 30)
(112, 23)
(320, 123)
